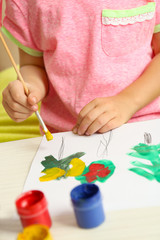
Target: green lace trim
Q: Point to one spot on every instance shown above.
(150, 7)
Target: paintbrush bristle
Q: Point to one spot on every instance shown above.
(48, 135)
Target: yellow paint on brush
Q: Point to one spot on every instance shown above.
(35, 231)
(77, 169)
(48, 135)
(51, 174)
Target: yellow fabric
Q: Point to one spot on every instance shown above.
(10, 130)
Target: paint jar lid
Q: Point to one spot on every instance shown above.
(86, 195)
(31, 202)
(35, 231)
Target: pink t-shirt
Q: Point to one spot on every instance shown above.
(90, 48)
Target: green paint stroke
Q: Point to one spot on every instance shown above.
(52, 162)
(151, 154)
(97, 171)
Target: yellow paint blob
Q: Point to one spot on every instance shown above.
(77, 169)
(51, 174)
(48, 135)
(35, 232)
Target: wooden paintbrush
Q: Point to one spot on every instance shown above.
(45, 130)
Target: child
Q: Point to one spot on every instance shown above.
(95, 65)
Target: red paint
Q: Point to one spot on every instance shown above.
(104, 172)
(96, 166)
(90, 177)
(96, 170)
(32, 209)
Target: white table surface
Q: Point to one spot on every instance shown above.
(15, 160)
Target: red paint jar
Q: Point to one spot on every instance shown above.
(32, 208)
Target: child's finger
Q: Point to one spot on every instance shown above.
(17, 93)
(112, 124)
(33, 99)
(99, 123)
(15, 106)
(16, 116)
(91, 105)
(90, 118)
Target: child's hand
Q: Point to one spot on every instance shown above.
(18, 106)
(103, 114)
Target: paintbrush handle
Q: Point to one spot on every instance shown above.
(41, 121)
(14, 65)
(22, 81)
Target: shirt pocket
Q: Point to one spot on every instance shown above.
(124, 31)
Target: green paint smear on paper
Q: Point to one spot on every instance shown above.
(151, 154)
(63, 164)
(51, 161)
(97, 171)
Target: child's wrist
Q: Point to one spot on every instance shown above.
(132, 101)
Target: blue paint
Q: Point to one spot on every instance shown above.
(87, 204)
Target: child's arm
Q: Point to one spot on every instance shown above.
(19, 106)
(104, 114)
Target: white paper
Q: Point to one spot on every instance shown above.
(123, 190)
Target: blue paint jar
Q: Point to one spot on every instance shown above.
(87, 204)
